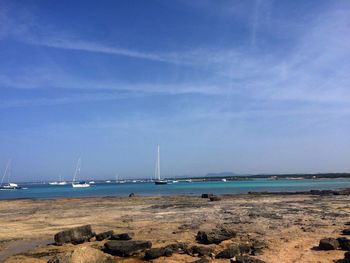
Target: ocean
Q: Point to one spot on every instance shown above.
(46, 191)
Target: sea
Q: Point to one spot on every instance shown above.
(46, 191)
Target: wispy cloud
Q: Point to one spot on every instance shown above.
(314, 69)
(81, 45)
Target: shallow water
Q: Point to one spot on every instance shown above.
(181, 188)
(21, 246)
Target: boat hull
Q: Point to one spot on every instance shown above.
(80, 185)
(161, 182)
(10, 187)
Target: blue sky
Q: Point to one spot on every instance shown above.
(255, 86)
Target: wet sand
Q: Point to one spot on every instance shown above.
(290, 225)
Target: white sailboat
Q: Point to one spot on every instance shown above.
(158, 180)
(8, 186)
(78, 184)
(59, 182)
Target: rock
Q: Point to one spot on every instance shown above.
(244, 248)
(214, 198)
(344, 243)
(75, 235)
(131, 195)
(257, 247)
(104, 235)
(126, 248)
(178, 247)
(123, 236)
(347, 223)
(346, 231)
(247, 259)
(328, 244)
(84, 254)
(230, 252)
(202, 260)
(207, 195)
(154, 253)
(214, 236)
(201, 250)
(347, 255)
(238, 249)
(166, 251)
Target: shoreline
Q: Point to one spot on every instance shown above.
(333, 191)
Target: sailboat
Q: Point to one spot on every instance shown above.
(60, 182)
(8, 186)
(157, 170)
(79, 184)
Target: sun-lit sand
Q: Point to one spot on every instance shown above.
(290, 225)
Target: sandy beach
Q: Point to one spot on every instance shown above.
(289, 226)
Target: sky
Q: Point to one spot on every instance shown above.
(254, 86)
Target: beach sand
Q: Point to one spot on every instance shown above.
(290, 225)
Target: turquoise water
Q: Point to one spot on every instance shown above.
(41, 191)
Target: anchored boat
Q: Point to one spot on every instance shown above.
(78, 184)
(8, 186)
(157, 170)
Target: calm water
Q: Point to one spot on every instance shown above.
(183, 188)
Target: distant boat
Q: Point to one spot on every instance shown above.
(118, 180)
(108, 181)
(175, 181)
(8, 186)
(158, 180)
(224, 180)
(60, 182)
(92, 182)
(79, 184)
(189, 180)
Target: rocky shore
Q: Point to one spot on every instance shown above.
(253, 228)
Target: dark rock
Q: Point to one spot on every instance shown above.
(344, 243)
(75, 235)
(347, 223)
(239, 249)
(346, 231)
(131, 195)
(214, 236)
(104, 235)
(257, 247)
(166, 251)
(123, 236)
(202, 260)
(178, 247)
(230, 252)
(328, 244)
(347, 255)
(214, 198)
(207, 195)
(154, 253)
(244, 248)
(247, 259)
(201, 250)
(126, 248)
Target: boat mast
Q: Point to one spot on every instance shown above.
(6, 169)
(77, 169)
(158, 162)
(157, 170)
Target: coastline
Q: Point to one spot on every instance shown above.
(291, 224)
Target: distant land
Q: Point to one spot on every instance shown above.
(235, 176)
(229, 176)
